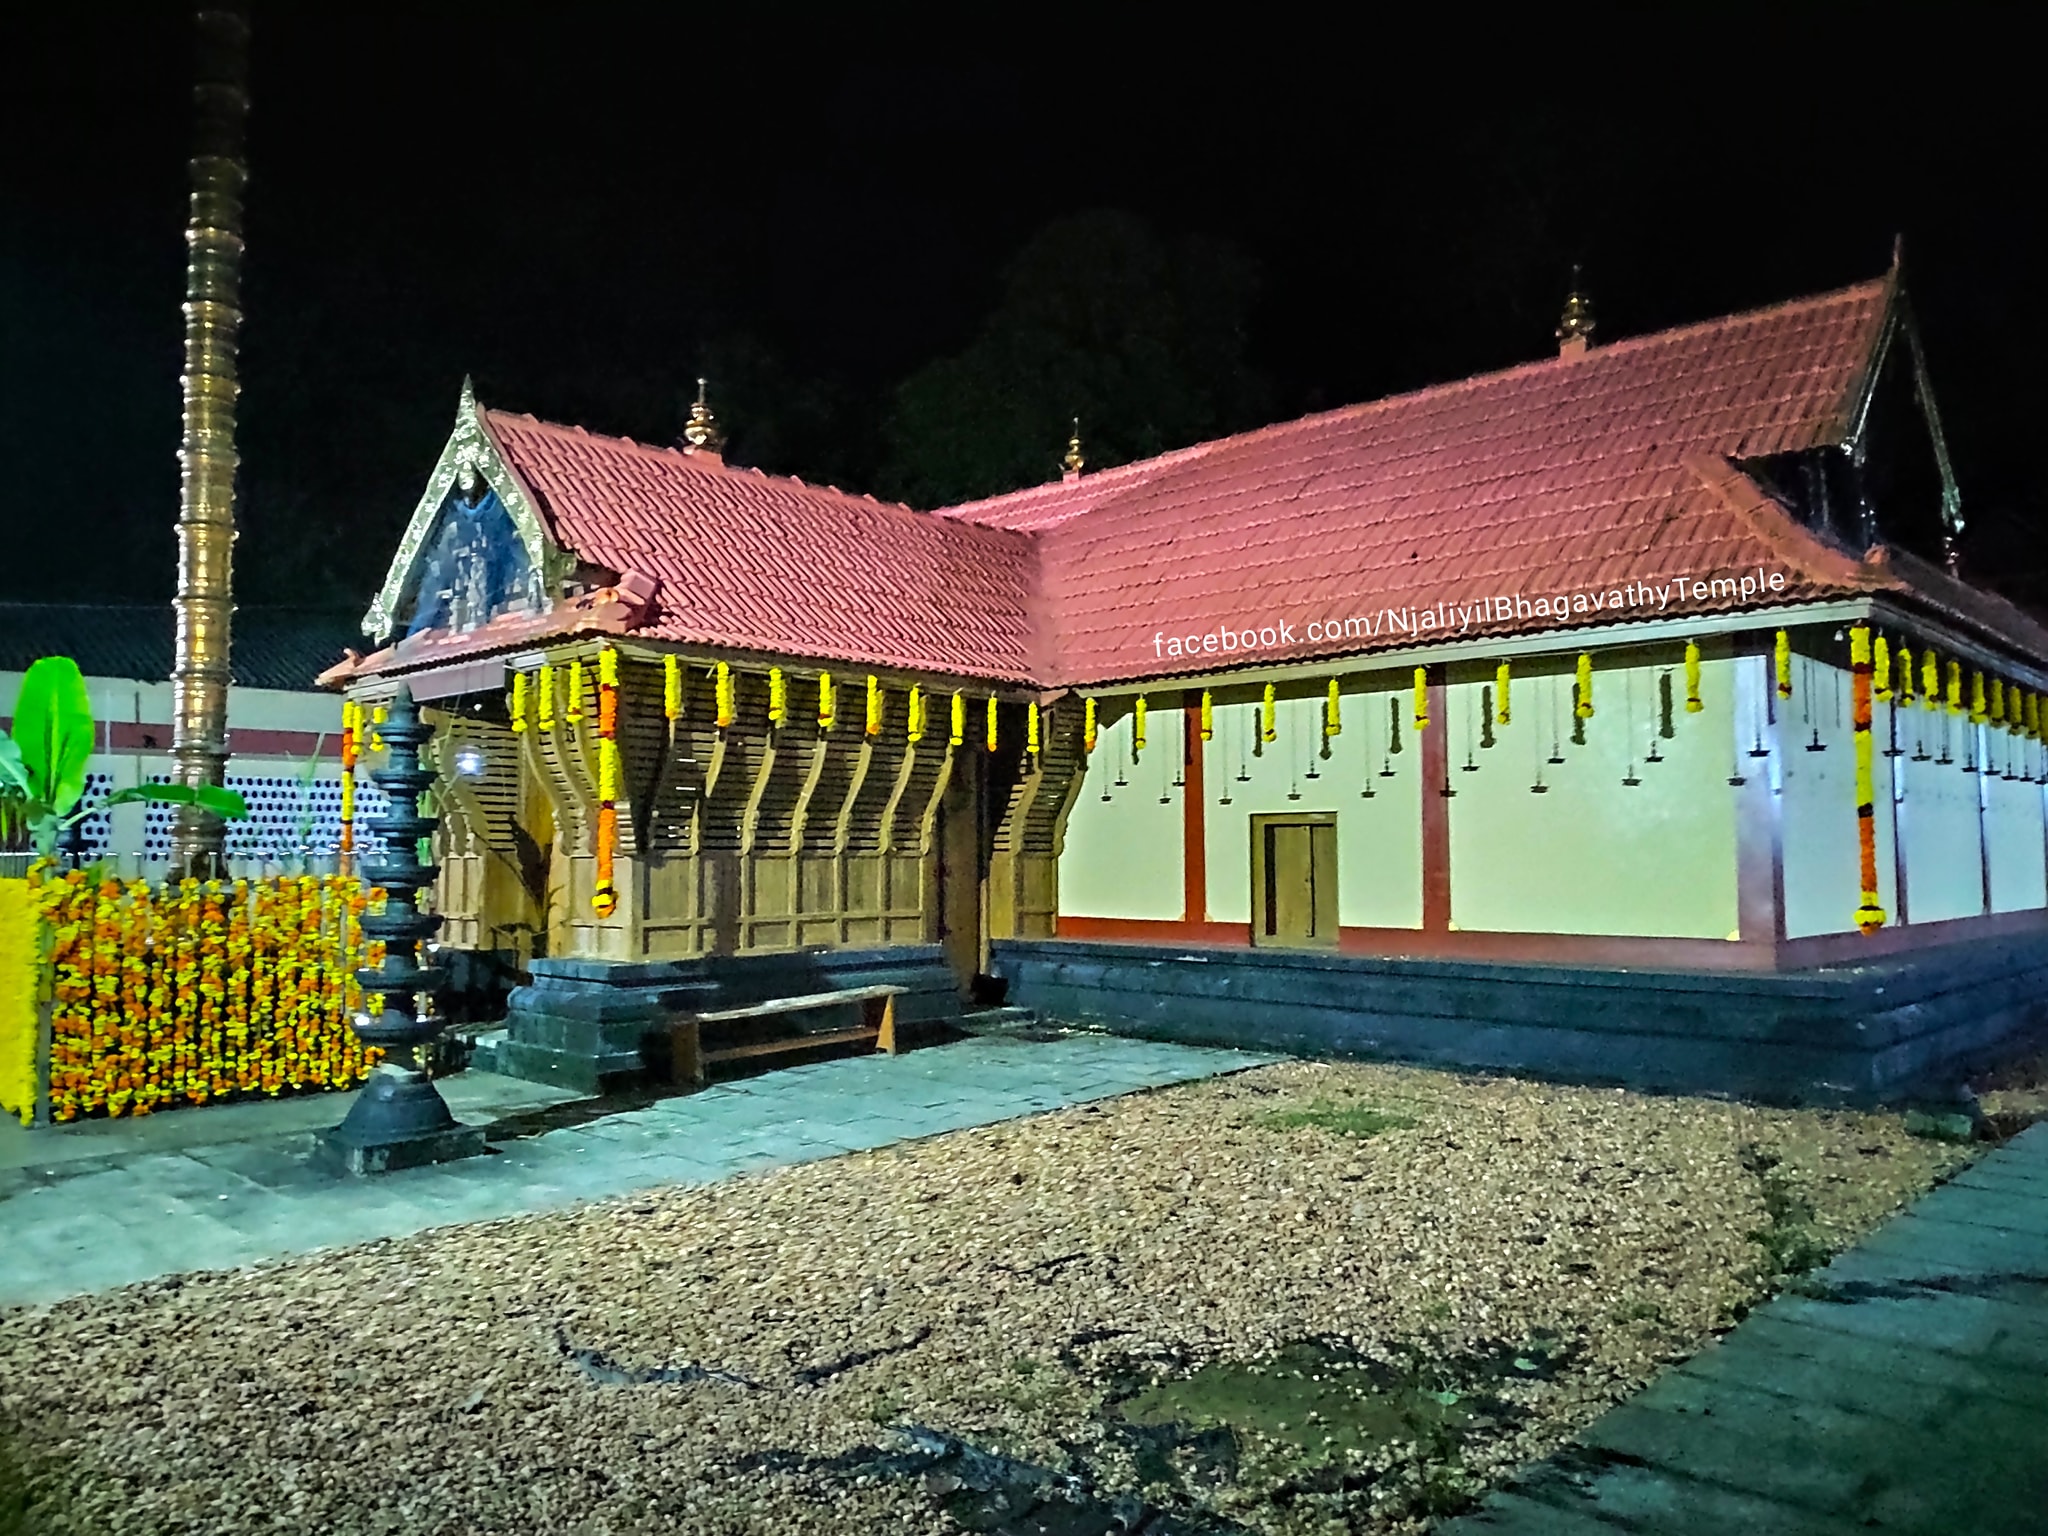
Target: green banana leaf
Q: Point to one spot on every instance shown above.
(224, 803)
(53, 730)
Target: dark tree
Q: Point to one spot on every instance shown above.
(1144, 339)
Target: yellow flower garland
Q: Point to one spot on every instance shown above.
(1880, 669)
(1087, 725)
(957, 736)
(1583, 707)
(1138, 726)
(672, 688)
(991, 722)
(1269, 710)
(516, 707)
(1997, 710)
(913, 714)
(724, 694)
(1906, 676)
(828, 699)
(1783, 653)
(544, 704)
(1955, 689)
(572, 706)
(1208, 716)
(1930, 679)
(1031, 736)
(778, 697)
(874, 725)
(1693, 703)
(1502, 677)
(1978, 713)
(1333, 712)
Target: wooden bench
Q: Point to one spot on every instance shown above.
(690, 1062)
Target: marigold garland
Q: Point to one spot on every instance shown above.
(778, 697)
(1031, 739)
(1333, 712)
(1502, 679)
(991, 722)
(604, 897)
(913, 714)
(544, 698)
(199, 991)
(1087, 725)
(1869, 916)
(1997, 709)
(1978, 713)
(1693, 702)
(572, 702)
(1269, 715)
(1880, 669)
(1906, 675)
(1930, 680)
(874, 722)
(672, 688)
(516, 705)
(1783, 653)
(958, 735)
(1582, 701)
(1208, 716)
(722, 693)
(351, 723)
(1955, 689)
(1138, 726)
(2034, 715)
(828, 697)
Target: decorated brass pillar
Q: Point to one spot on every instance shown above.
(206, 515)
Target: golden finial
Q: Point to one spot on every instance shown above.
(701, 432)
(1073, 462)
(1575, 326)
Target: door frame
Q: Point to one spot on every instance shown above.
(1259, 825)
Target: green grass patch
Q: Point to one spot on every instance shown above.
(1358, 1120)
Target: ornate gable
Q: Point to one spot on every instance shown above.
(476, 546)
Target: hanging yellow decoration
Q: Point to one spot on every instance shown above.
(959, 732)
(1784, 657)
(1501, 677)
(1881, 669)
(1333, 712)
(1955, 689)
(1930, 680)
(376, 736)
(351, 735)
(544, 709)
(1997, 710)
(1692, 678)
(672, 688)
(2034, 714)
(1031, 728)
(828, 701)
(991, 722)
(518, 704)
(913, 714)
(604, 898)
(1584, 707)
(1087, 723)
(778, 696)
(1977, 700)
(1906, 675)
(1208, 716)
(1869, 916)
(1421, 699)
(874, 725)
(572, 700)
(722, 692)
(1138, 726)
(1269, 707)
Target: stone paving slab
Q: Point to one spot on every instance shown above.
(112, 1203)
(1906, 1391)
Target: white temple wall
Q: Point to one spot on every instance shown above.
(1123, 854)
(1379, 837)
(2013, 831)
(1817, 802)
(1592, 854)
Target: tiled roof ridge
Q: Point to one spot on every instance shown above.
(1448, 388)
(704, 464)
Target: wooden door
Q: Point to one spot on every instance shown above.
(1294, 881)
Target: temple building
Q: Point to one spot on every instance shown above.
(1619, 715)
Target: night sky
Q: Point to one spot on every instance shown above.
(579, 212)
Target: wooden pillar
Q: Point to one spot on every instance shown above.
(1193, 811)
(1435, 748)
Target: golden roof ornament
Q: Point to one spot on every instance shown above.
(701, 431)
(1575, 325)
(1074, 463)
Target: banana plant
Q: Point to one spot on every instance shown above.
(43, 762)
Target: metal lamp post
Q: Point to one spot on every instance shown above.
(400, 1120)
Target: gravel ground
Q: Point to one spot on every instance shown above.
(1486, 1269)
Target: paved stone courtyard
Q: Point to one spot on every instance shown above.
(104, 1204)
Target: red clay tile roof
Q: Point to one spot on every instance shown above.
(1576, 474)
(748, 561)
(1573, 475)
